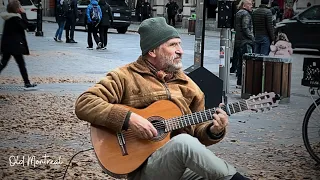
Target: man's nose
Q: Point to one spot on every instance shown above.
(179, 50)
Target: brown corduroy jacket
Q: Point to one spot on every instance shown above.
(136, 86)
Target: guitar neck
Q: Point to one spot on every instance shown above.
(203, 116)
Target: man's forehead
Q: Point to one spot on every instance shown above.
(174, 40)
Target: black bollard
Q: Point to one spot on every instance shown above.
(39, 20)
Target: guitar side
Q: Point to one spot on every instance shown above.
(121, 160)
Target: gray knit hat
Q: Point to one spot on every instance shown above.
(154, 32)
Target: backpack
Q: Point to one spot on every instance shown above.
(94, 14)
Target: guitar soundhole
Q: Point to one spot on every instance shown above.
(158, 123)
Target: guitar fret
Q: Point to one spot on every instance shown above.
(210, 114)
(234, 111)
(239, 106)
(198, 113)
(205, 114)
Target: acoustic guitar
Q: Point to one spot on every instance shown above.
(122, 152)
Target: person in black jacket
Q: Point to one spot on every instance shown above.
(13, 41)
(106, 21)
(172, 9)
(145, 10)
(72, 15)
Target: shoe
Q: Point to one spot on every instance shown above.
(90, 48)
(103, 48)
(68, 41)
(55, 38)
(238, 86)
(30, 86)
(73, 41)
(99, 45)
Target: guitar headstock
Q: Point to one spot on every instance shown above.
(263, 101)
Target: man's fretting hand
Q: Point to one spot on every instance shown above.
(142, 127)
(220, 121)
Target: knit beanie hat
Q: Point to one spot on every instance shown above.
(154, 32)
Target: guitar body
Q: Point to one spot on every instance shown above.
(120, 160)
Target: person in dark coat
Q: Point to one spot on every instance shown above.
(61, 10)
(138, 10)
(145, 10)
(106, 21)
(172, 9)
(13, 41)
(72, 15)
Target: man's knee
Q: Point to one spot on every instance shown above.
(185, 141)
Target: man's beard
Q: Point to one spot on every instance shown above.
(168, 63)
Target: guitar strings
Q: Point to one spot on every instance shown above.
(175, 123)
(179, 122)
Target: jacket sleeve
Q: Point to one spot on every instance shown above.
(270, 28)
(100, 13)
(23, 21)
(99, 105)
(110, 14)
(88, 14)
(75, 8)
(245, 26)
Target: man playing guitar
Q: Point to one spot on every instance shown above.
(156, 76)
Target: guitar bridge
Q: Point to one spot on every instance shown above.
(122, 144)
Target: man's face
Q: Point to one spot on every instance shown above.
(169, 55)
(248, 5)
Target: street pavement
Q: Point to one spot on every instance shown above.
(71, 68)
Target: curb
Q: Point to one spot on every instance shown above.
(136, 31)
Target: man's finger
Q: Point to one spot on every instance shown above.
(217, 118)
(154, 131)
(223, 121)
(149, 134)
(219, 110)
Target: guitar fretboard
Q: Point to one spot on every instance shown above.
(202, 116)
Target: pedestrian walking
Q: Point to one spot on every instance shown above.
(72, 15)
(263, 28)
(106, 21)
(13, 41)
(94, 16)
(61, 15)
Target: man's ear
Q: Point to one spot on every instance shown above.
(152, 53)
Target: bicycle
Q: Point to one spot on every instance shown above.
(311, 121)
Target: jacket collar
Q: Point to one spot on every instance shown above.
(141, 66)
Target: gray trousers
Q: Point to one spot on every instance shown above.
(184, 158)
